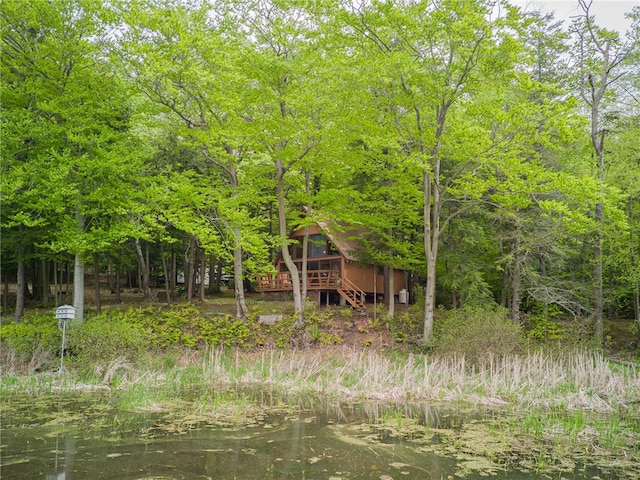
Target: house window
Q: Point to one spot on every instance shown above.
(317, 246)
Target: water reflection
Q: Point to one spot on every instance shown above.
(60, 473)
(312, 438)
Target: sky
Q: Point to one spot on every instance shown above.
(608, 13)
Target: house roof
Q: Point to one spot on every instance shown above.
(347, 242)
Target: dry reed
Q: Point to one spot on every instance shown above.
(576, 381)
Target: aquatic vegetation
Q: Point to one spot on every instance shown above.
(533, 412)
(578, 381)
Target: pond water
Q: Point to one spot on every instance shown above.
(69, 437)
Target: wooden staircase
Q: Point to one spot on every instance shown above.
(351, 293)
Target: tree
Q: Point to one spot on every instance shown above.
(599, 57)
(187, 63)
(286, 101)
(444, 87)
(67, 123)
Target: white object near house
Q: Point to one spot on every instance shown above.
(63, 314)
(403, 296)
(270, 319)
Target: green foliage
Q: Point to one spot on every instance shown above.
(283, 332)
(365, 112)
(178, 325)
(407, 326)
(322, 326)
(36, 335)
(226, 331)
(317, 335)
(540, 326)
(181, 325)
(103, 338)
(478, 333)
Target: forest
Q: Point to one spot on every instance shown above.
(491, 153)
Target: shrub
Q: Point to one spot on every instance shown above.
(104, 338)
(283, 333)
(478, 334)
(408, 326)
(177, 325)
(540, 326)
(226, 330)
(33, 343)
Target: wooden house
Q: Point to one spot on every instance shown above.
(334, 274)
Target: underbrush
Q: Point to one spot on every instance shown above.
(30, 345)
(113, 344)
(478, 334)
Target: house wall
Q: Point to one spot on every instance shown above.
(363, 277)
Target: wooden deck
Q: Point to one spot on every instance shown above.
(316, 280)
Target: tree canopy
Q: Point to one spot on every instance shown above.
(490, 153)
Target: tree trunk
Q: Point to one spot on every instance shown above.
(385, 291)
(392, 298)
(305, 264)
(45, 282)
(241, 307)
(305, 240)
(189, 261)
(78, 287)
(144, 269)
(215, 273)
(238, 285)
(165, 273)
(96, 279)
(194, 269)
(56, 287)
(20, 283)
(431, 240)
(284, 249)
(148, 264)
(598, 293)
(203, 272)
(78, 277)
(5, 293)
(594, 84)
(33, 273)
(429, 300)
(634, 263)
(66, 276)
(118, 275)
(432, 206)
(514, 312)
(174, 271)
(110, 284)
(597, 138)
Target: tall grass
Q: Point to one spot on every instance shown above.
(577, 381)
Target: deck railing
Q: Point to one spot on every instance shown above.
(316, 280)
